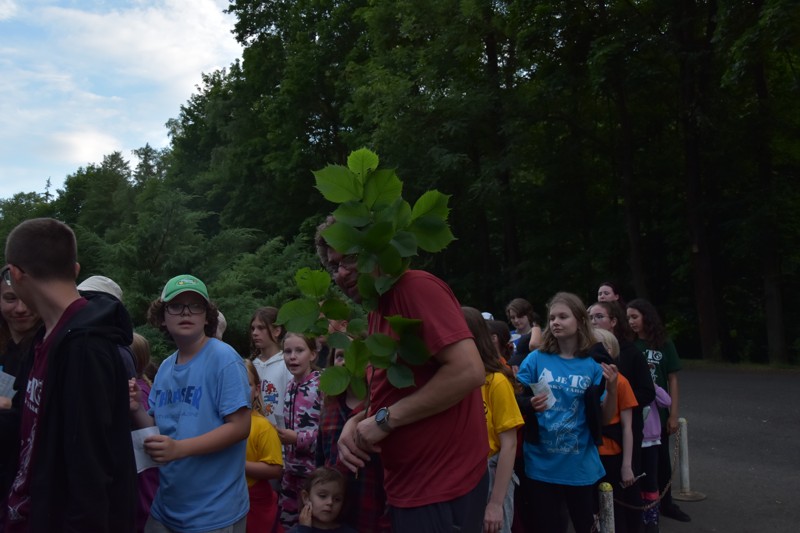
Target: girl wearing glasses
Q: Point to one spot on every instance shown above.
(200, 401)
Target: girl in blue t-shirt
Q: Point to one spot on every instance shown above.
(564, 465)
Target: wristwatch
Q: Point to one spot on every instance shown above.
(382, 419)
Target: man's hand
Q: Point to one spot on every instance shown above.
(368, 435)
(350, 454)
(162, 449)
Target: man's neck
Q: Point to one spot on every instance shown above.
(51, 300)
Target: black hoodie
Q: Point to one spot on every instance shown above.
(83, 475)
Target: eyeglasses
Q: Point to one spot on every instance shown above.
(347, 262)
(177, 309)
(5, 275)
(598, 316)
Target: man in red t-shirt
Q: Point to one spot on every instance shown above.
(432, 436)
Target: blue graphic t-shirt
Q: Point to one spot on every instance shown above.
(203, 492)
(566, 454)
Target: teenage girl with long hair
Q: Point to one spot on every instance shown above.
(653, 341)
(564, 465)
(503, 418)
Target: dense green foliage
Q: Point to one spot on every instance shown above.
(653, 143)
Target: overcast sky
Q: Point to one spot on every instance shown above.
(80, 79)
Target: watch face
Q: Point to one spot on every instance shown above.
(380, 416)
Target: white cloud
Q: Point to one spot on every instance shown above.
(8, 8)
(83, 78)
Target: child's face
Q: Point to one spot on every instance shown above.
(326, 501)
(297, 356)
(338, 357)
(186, 324)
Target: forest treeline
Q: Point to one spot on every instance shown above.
(653, 143)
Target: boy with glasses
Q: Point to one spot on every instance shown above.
(76, 469)
(200, 401)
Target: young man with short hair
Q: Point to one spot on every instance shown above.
(76, 469)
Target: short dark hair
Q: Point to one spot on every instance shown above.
(523, 307)
(155, 317)
(43, 248)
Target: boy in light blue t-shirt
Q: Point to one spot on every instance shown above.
(201, 404)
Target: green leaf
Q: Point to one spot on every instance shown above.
(377, 236)
(390, 261)
(339, 340)
(383, 361)
(338, 185)
(334, 380)
(384, 283)
(298, 315)
(432, 203)
(366, 288)
(399, 214)
(381, 344)
(359, 386)
(356, 357)
(405, 243)
(356, 327)
(367, 262)
(400, 376)
(412, 349)
(361, 162)
(352, 213)
(382, 188)
(335, 309)
(313, 283)
(404, 326)
(343, 238)
(432, 233)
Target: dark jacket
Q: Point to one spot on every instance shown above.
(83, 475)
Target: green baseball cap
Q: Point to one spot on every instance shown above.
(183, 283)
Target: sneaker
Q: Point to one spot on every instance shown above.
(675, 513)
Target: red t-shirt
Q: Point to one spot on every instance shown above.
(32, 407)
(441, 457)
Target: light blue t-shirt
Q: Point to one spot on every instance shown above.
(566, 454)
(203, 492)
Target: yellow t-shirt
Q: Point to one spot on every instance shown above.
(263, 444)
(500, 407)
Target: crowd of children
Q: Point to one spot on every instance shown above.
(251, 444)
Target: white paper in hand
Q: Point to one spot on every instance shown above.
(143, 460)
(543, 387)
(7, 385)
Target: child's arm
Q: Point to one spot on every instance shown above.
(626, 472)
(164, 449)
(493, 518)
(139, 415)
(261, 470)
(672, 421)
(5, 403)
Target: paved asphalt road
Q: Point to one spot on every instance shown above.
(744, 450)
